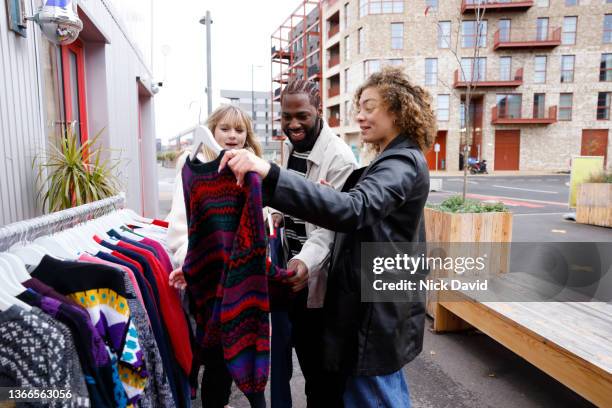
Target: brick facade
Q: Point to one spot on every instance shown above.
(542, 147)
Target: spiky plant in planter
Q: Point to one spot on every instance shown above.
(71, 173)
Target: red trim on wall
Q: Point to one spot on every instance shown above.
(77, 49)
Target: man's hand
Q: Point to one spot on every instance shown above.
(300, 280)
(277, 220)
(177, 279)
(242, 161)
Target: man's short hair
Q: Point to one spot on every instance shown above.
(299, 86)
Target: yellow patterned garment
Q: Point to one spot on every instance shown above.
(110, 315)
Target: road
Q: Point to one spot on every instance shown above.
(537, 202)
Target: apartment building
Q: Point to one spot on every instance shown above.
(296, 53)
(543, 77)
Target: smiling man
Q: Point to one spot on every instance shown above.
(315, 153)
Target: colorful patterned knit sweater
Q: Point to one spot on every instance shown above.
(225, 269)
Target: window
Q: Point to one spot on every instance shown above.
(569, 30)
(431, 71)
(380, 7)
(474, 69)
(539, 71)
(432, 4)
(567, 68)
(571, 2)
(539, 105)
(347, 15)
(73, 80)
(397, 36)
(605, 68)
(543, 3)
(504, 29)
(470, 31)
(347, 87)
(603, 105)
(443, 111)
(369, 67)
(347, 113)
(360, 40)
(347, 48)
(542, 29)
(444, 34)
(607, 29)
(505, 69)
(565, 106)
(509, 105)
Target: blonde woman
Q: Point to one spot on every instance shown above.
(232, 128)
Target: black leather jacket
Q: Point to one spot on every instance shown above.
(382, 202)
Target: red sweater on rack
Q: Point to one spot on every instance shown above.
(171, 309)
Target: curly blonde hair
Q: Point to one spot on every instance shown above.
(411, 104)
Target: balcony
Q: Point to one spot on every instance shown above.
(333, 90)
(471, 6)
(505, 119)
(333, 60)
(333, 121)
(333, 30)
(517, 81)
(551, 39)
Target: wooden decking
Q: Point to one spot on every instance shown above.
(570, 341)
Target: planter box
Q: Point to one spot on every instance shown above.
(444, 227)
(594, 204)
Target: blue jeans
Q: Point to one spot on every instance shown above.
(381, 391)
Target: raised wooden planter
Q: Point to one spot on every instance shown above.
(445, 227)
(594, 204)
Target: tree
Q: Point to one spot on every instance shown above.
(472, 51)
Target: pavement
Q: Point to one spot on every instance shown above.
(469, 369)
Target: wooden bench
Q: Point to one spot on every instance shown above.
(570, 341)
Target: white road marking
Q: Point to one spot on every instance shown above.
(461, 181)
(527, 189)
(540, 214)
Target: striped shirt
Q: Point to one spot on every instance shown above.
(295, 228)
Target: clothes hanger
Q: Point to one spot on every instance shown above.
(54, 247)
(8, 291)
(30, 254)
(17, 266)
(12, 285)
(204, 137)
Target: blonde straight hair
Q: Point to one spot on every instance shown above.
(235, 117)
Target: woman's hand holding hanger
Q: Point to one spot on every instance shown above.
(242, 161)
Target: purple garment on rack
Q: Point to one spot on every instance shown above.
(52, 303)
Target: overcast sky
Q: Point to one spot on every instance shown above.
(241, 32)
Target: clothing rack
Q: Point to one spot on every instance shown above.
(28, 230)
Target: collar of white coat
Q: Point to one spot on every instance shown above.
(318, 150)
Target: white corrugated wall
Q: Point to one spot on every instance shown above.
(20, 122)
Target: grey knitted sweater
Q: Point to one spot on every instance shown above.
(37, 351)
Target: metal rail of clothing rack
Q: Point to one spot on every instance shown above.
(28, 230)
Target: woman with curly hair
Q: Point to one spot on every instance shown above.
(367, 343)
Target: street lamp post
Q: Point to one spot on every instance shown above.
(207, 21)
(253, 94)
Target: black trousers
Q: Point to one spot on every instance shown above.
(217, 382)
(323, 389)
